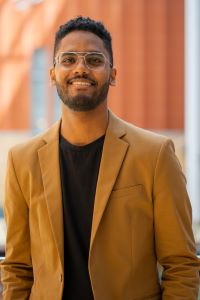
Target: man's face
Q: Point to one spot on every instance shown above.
(79, 87)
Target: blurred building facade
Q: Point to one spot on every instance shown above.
(148, 44)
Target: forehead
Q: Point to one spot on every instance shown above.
(82, 41)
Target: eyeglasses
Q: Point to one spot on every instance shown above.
(92, 60)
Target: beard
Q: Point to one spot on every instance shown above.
(83, 102)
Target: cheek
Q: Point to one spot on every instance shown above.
(61, 76)
(104, 79)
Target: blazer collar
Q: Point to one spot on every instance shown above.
(115, 126)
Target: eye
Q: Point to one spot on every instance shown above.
(68, 59)
(95, 59)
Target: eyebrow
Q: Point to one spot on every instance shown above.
(96, 51)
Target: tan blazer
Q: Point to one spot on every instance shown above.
(141, 215)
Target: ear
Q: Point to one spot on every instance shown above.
(113, 77)
(52, 76)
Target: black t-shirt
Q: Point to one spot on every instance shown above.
(79, 167)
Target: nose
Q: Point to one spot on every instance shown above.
(81, 65)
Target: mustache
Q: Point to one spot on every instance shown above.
(84, 76)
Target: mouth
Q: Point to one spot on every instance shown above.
(82, 82)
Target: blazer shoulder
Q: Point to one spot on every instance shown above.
(148, 147)
(138, 135)
(29, 148)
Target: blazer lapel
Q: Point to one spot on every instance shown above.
(114, 151)
(49, 163)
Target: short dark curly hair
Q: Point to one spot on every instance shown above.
(85, 24)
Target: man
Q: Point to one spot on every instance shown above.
(94, 203)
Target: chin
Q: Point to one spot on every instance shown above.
(82, 103)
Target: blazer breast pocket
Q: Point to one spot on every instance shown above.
(130, 191)
(131, 200)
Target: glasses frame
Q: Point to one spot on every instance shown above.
(81, 54)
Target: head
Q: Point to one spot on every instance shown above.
(84, 24)
(80, 85)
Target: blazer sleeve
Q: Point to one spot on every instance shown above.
(16, 269)
(174, 241)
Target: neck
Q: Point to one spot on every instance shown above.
(81, 128)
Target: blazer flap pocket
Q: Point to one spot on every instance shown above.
(131, 190)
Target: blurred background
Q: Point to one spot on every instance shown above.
(156, 47)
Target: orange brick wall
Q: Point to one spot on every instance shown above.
(148, 50)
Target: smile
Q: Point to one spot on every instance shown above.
(81, 83)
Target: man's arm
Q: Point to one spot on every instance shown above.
(16, 269)
(174, 239)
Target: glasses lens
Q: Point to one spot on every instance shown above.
(68, 59)
(94, 60)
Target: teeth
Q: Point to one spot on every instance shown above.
(81, 83)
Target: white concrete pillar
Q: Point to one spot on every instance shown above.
(192, 103)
